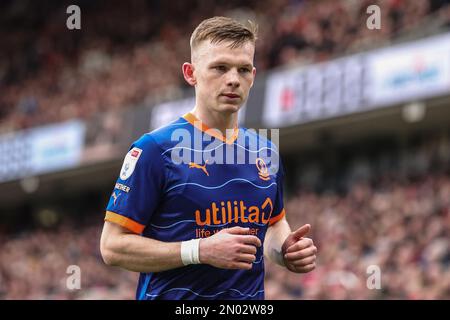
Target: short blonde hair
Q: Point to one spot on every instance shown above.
(218, 29)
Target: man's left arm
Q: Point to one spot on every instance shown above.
(290, 249)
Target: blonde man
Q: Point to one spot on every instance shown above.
(187, 215)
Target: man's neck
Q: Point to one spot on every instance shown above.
(216, 120)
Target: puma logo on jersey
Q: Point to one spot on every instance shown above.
(115, 196)
(197, 166)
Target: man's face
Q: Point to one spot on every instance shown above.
(223, 75)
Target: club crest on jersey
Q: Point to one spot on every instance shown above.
(129, 164)
(263, 172)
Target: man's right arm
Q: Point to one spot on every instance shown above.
(230, 248)
(123, 248)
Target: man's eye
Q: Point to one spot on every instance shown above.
(220, 68)
(245, 70)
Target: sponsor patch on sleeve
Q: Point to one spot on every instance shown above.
(129, 164)
(124, 188)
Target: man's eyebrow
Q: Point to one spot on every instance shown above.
(243, 64)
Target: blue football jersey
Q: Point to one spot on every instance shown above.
(185, 181)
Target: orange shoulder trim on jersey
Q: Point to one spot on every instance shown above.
(277, 218)
(215, 133)
(124, 222)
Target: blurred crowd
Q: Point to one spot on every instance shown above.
(130, 53)
(386, 236)
(400, 232)
(386, 211)
(37, 265)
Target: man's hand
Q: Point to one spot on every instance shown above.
(231, 248)
(299, 253)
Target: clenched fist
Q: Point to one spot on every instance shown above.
(231, 248)
(299, 253)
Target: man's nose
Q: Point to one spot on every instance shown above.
(233, 79)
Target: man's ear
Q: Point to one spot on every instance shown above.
(254, 75)
(188, 73)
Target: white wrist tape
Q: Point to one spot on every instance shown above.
(190, 252)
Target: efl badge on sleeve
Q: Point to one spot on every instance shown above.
(129, 164)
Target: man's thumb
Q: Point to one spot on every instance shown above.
(237, 230)
(302, 231)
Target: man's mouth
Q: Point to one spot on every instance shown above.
(231, 95)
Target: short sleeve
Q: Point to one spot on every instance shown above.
(139, 188)
(278, 208)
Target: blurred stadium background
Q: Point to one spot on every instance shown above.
(364, 118)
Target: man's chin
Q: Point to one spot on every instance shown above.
(229, 108)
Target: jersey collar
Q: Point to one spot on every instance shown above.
(212, 132)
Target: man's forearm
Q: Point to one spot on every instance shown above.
(140, 254)
(275, 237)
(230, 248)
